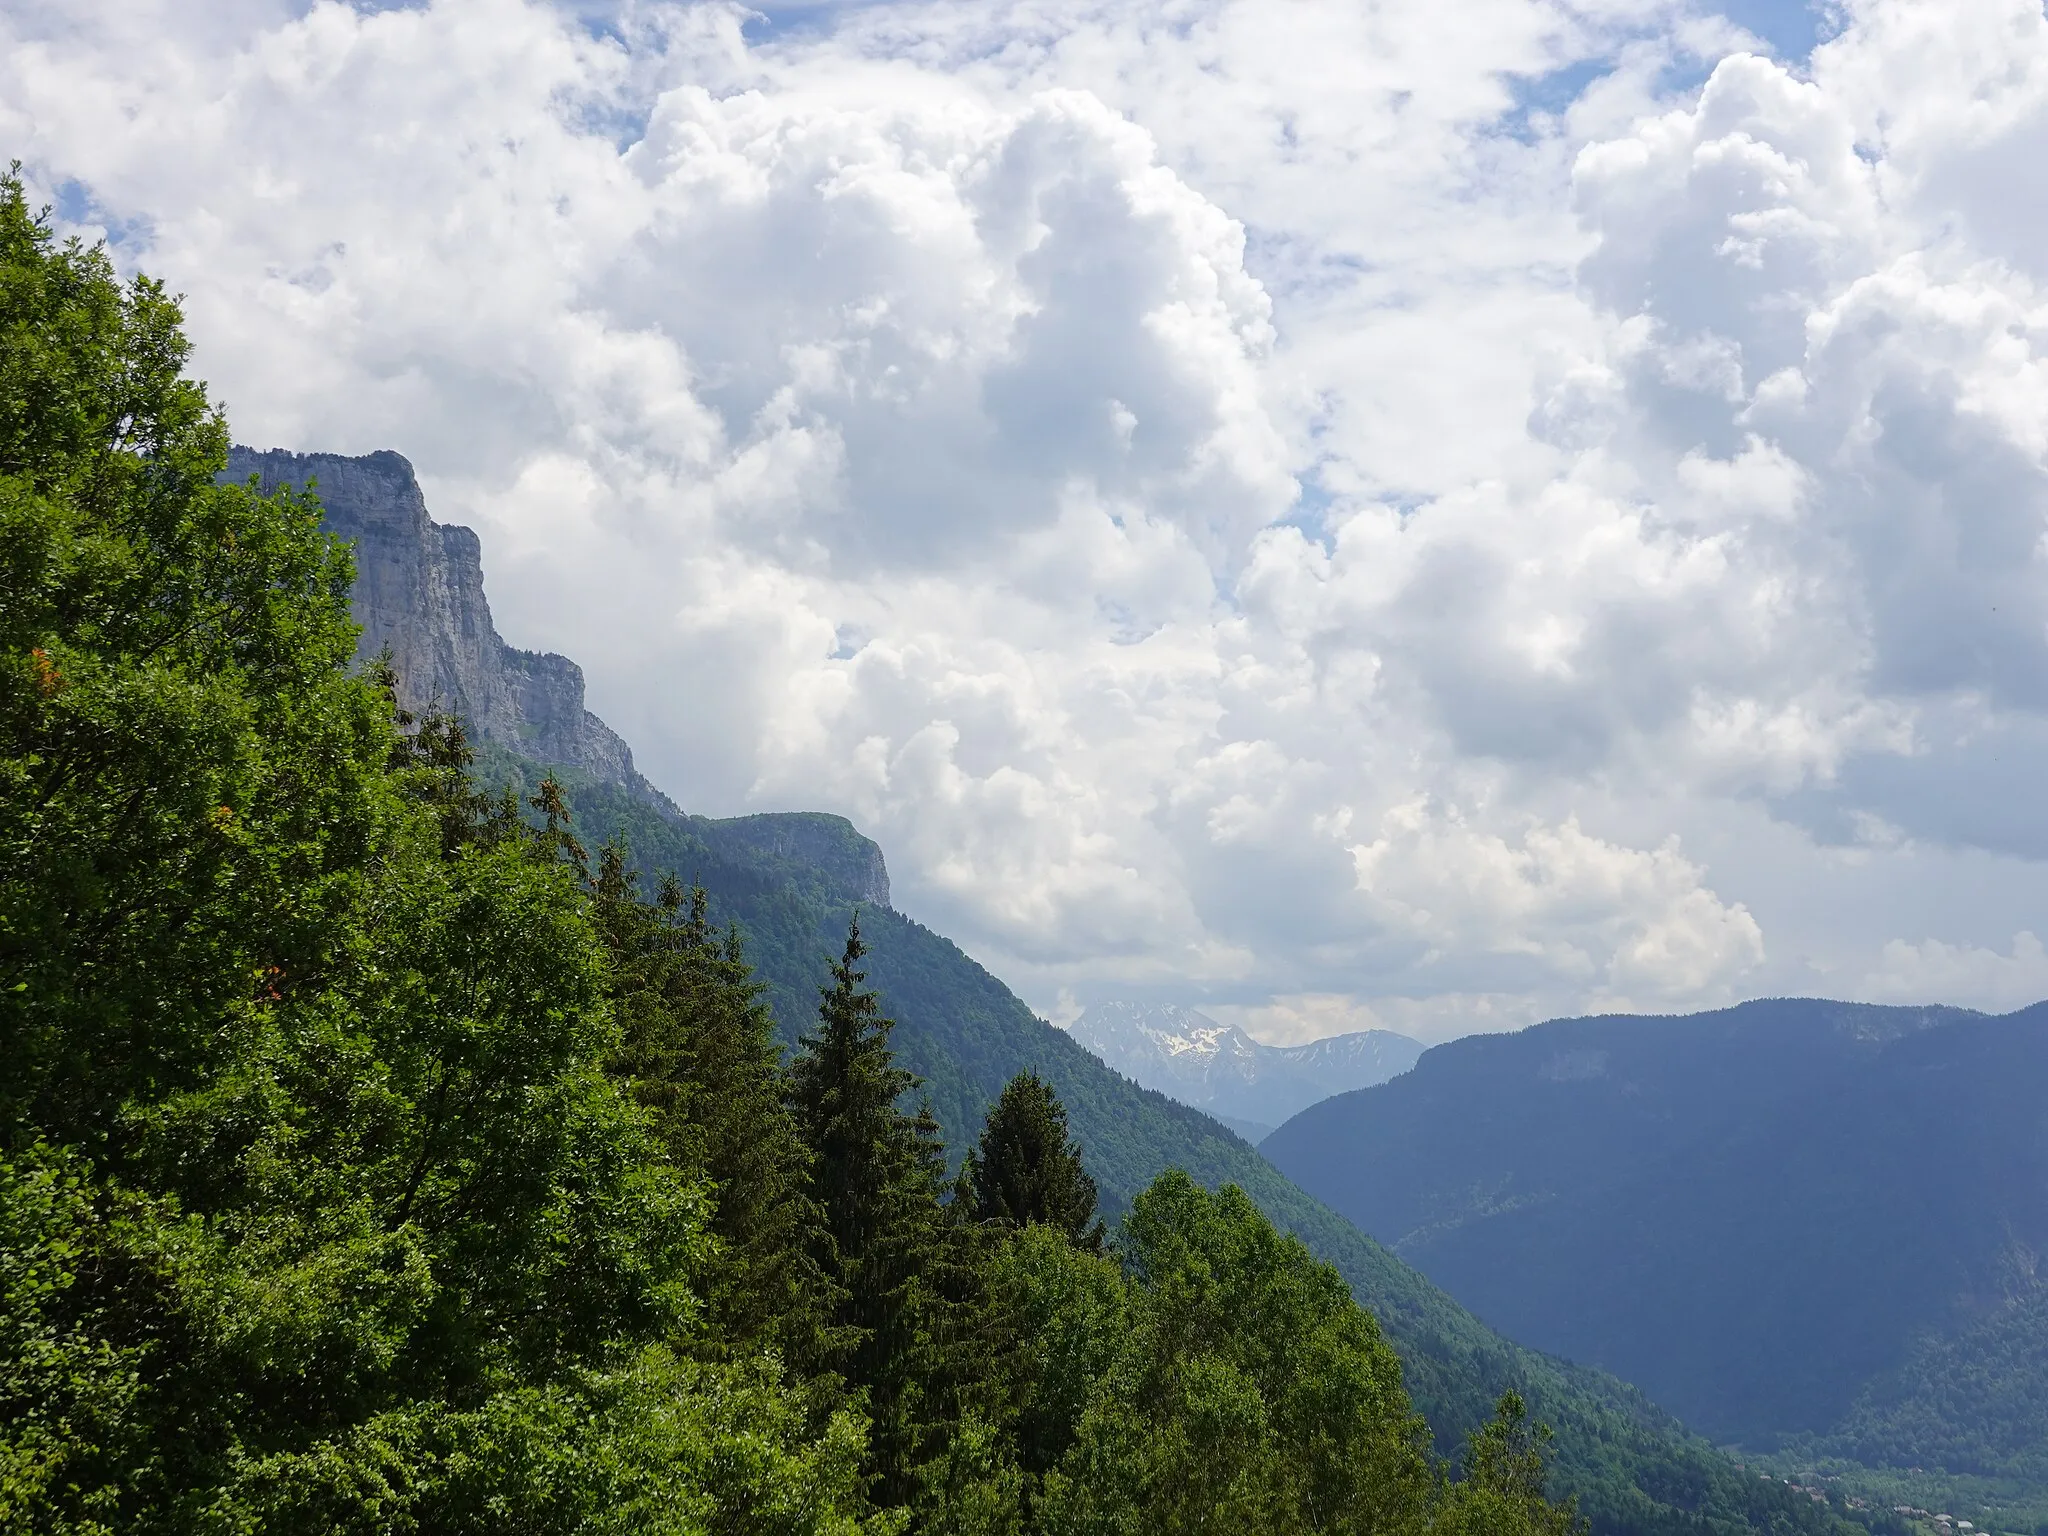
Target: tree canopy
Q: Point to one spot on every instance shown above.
(1027, 1169)
(320, 1206)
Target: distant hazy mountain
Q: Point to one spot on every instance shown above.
(1218, 1067)
(1791, 1221)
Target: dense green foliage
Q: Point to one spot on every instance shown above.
(1244, 1391)
(1634, 1470)
(319, 1208)
(1218, 1380)
(1961, 1425)
(371, 1162)
(696, 1044)
(1026, 1170)
(884, 1235)
(1974, 1401)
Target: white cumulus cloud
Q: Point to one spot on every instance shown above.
(1417, 515)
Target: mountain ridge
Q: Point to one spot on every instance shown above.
(1802, 1224)
(1189, 1056)
(419, 595)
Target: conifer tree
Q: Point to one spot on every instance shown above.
(876, 1175)
(1027, 1169)
(554, 839)
(431, 757)
(697, 1046)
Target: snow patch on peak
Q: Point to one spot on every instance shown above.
(1219, 1068)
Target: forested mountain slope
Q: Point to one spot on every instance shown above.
(1634, 1468)
(1790, 1221)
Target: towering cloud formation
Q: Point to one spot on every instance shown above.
(1429, 516)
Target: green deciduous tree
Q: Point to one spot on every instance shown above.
(1502, 1491)
(1067, 1310)
(318, 1208)
(191, 781)
(1248, 1392)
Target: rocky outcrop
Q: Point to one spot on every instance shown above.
(420, 594)
(844, 864)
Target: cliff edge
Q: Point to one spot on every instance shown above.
(419, 593)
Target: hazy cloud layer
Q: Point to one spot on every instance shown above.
(1428, 515)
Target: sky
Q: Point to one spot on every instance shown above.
(1424, 514)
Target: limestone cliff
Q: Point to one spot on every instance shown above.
(420, 592)
(841, 861)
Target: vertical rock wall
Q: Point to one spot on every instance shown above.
(420, 592)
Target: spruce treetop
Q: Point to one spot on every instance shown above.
(1027, 1169)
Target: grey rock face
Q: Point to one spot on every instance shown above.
(1219, 1068)
(846, 864)
(420, 591)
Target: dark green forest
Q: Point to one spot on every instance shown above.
(379, 1154)
(1632, 1469)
